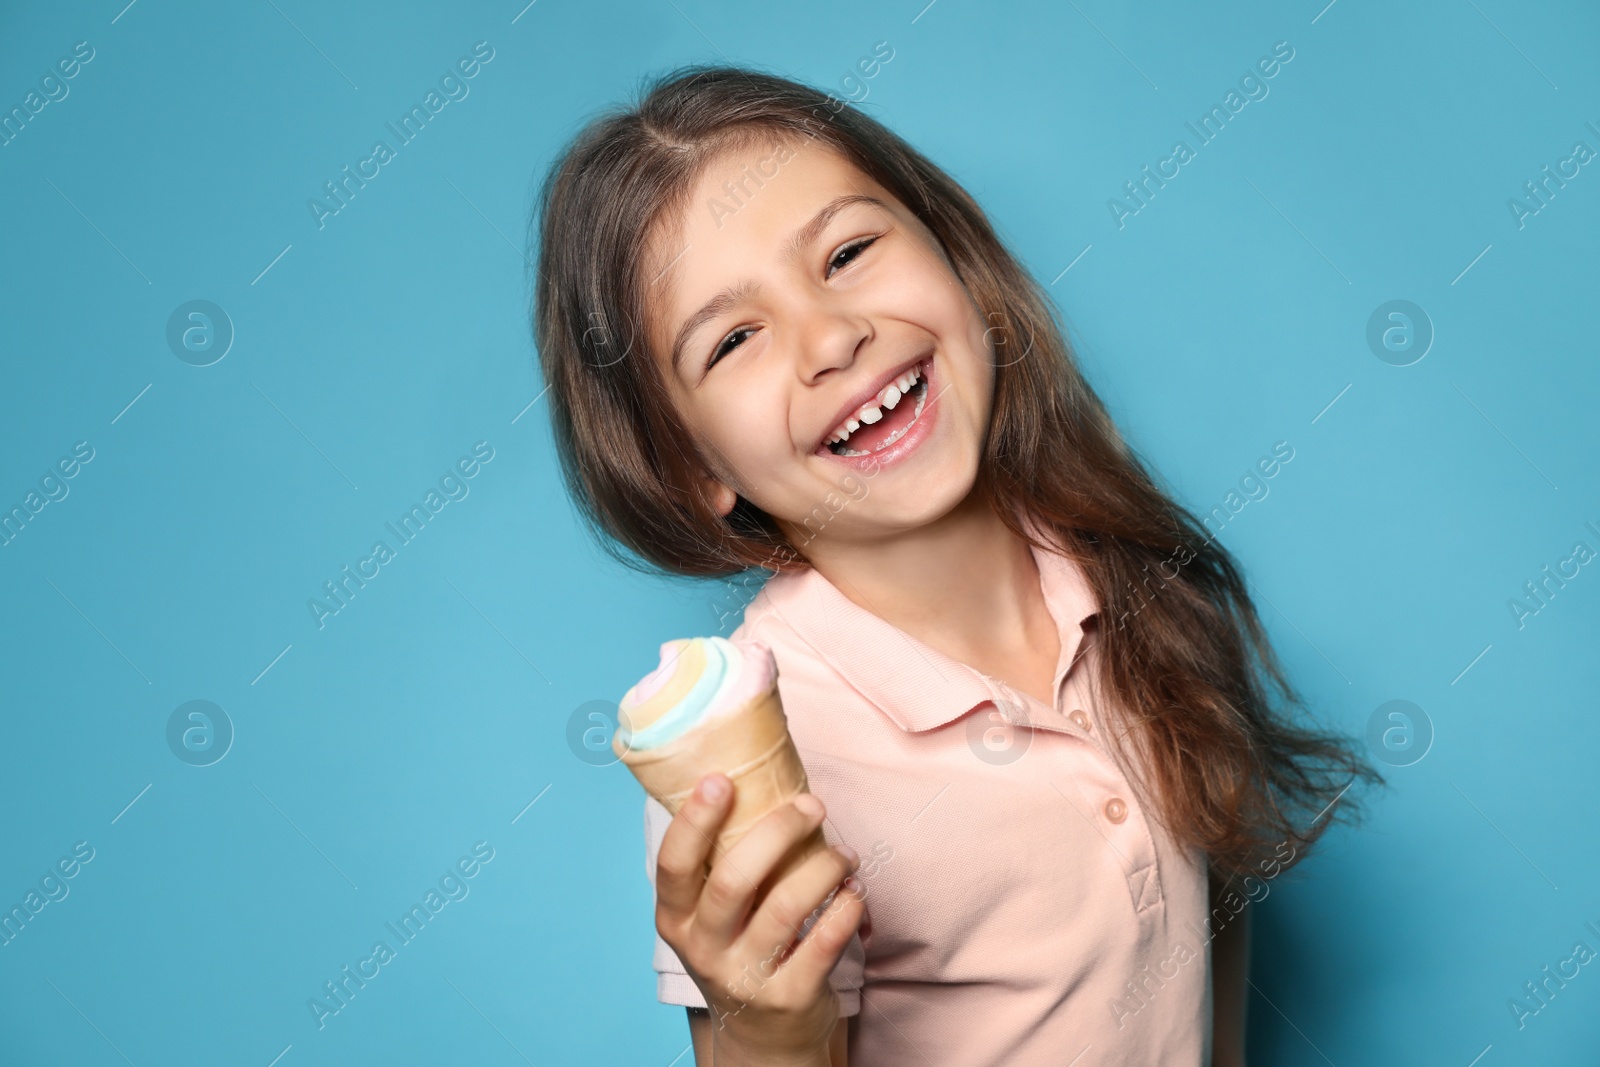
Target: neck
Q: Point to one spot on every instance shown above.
(964, 584)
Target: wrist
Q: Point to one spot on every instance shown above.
(724, 1057)
(729, 1050)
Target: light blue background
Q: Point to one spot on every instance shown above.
(426, 715)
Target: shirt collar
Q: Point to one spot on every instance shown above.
(916, 686)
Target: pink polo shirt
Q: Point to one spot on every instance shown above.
(1022, 906)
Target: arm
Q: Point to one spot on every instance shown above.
(700, 1034)
(839, 1044)
(1230, 967)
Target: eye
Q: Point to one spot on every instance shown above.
(849, 253)
(724, 347)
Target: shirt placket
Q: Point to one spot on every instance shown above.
(1104, 796)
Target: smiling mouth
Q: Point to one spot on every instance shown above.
(885, 419)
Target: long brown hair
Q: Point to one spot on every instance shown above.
(1182, 646)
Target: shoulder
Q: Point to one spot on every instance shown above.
(816, 696)
(766, 620)
(769, 619)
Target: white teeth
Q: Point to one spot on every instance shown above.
(901, 432)
(850, 426)
(872, 411)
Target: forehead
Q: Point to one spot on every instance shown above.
(744, 205)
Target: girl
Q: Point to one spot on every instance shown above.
(1035, 704)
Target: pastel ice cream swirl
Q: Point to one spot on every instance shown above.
(698, 679)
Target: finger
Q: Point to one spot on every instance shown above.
(738, 875)
(681, 860)
(809, 964)
(794, 899)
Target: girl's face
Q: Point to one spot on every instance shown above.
(816, 341)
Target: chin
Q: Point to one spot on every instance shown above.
(921, 501)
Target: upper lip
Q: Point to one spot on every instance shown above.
(868, 394)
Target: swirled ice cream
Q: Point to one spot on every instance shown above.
(698, 679)
(713, 706)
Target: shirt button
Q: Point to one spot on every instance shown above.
(1116, 810)
(1079, 719)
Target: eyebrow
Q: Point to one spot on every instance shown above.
(742, 290)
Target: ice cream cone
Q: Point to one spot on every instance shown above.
(753, 748)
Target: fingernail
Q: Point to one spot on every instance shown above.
(808, 805)
(853, 884)
(713, 788)
(848, 853)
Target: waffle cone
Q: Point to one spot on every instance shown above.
(752, 747)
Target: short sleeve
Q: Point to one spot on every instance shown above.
(673, 984)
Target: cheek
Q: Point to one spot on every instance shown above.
(750, 429)
(976, 345)
(920, 287)
(922, 290)
(928, 294)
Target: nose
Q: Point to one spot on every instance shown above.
(830, 337)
